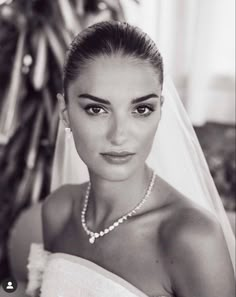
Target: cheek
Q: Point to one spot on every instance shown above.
(88, 137)
(146, 137)
(85, 138)
(146, 129)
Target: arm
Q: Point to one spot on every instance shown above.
(197, 257)
(56, 210)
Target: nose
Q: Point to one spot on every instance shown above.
(117, 132)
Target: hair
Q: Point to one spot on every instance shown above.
(108, 39)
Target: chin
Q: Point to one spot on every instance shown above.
(115, 173)
(118, 175)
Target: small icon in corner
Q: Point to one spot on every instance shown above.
(9, 285)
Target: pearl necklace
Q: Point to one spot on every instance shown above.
(95, 235)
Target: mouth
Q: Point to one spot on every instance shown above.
(118, 154)
(118, 157)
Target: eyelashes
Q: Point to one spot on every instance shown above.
(94, 109)
(142, 110)
(145, 110)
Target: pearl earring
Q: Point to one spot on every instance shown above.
(68, 132)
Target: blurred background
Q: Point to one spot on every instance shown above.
(197, 41)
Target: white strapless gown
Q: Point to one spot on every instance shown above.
(64, 275)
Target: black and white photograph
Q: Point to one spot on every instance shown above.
(117, 148)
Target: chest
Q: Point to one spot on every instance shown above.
(129, 251)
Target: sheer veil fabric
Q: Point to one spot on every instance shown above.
(176, 156)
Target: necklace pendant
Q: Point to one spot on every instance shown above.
(92, 239)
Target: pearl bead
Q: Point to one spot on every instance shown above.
(91, 239)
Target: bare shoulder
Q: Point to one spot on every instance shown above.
(193, 245)
(57, 210)
(186, 220)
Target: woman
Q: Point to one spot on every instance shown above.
(126, 232)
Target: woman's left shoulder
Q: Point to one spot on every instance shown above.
(188, 223)
(193, 247)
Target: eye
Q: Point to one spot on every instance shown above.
(94, 109)
(144, 110)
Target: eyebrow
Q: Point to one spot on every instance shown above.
(100, 100)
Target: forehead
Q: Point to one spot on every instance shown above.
(108, 76)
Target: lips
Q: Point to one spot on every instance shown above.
(117, 157)
(118, 154)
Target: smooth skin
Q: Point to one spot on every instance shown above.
(171, 247)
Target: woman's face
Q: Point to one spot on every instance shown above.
(114, 108)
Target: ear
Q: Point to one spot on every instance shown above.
(63, 111)
(162, 99)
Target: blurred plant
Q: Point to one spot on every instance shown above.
(223, 170)
(34, 36)
(218, 144)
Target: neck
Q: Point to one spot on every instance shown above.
(109, 200)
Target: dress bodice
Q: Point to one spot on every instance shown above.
(64, 275)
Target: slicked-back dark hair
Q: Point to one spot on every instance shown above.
(107, 39)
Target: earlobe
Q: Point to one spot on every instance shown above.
(61, 101)
(63, 112)
(162, 100)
